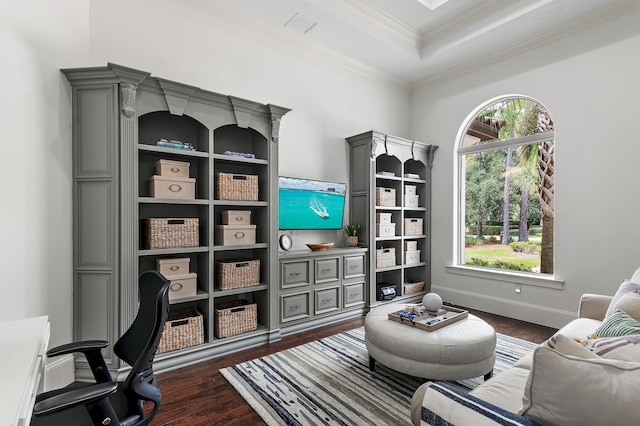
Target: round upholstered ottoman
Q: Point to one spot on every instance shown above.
(461, 350)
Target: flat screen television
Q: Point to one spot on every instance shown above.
(310, 204)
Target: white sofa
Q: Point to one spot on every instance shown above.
(567, 383)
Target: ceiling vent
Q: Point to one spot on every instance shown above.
(300, 23)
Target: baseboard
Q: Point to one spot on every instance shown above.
(536, 314)
(59, 372)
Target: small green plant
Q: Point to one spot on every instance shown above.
(351, 230)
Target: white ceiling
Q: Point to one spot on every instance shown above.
(409, 42)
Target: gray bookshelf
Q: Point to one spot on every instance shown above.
(118, 115)
(378, 160)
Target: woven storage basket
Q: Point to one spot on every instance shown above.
(413, 226)
(183, 329)
(161, 233)
(413, 287)
(238, 273)
(385, 197)
(236, 317)
(385, 257)
(239, 187)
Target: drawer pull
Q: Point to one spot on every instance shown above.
(325, 301)
(175, 169)
(294, 274)
(239, 235)
(175, 267)
(326, 270)
(239, 218)
(354, 295)
(176, 286)
(294, 307)
(175, 188)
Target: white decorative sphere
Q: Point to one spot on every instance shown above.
(432, 302)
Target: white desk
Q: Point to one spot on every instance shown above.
(23, 346)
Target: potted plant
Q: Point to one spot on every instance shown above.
(352, 232)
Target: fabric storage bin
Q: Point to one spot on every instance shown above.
(385, 257)
(172, 187)
(411, 245)
(411, 257)
(171, 168)
(413, 287)
(183, 329)
(409, 190)
(230, 186)
(173, 267)
(161, 233)
(413, 226)
(238, 273)
(183, 286)
(385, 229)
(385, 197)
(383, 217)
(233, 235)
(411, 201)
(235, 317)
(236, 217)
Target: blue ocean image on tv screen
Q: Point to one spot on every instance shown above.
(310, 204)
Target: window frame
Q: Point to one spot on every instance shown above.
(458, 266)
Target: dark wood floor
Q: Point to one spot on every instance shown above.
(199, 395)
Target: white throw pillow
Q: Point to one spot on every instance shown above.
(568, 346)
(636, 276)
(629, 288)
(630, 305)
(568, 390)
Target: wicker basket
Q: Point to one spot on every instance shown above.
(161, 233)
(385, 257)
(413, 226)
(385, 197)
(183, 329)
(235, 317)
(238, 274)
(413, 287)
(238, 187)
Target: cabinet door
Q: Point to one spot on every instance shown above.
(354, 294)
(327, 270)
(327, 300)
(353, 266)
(294, 306)
(295, 274)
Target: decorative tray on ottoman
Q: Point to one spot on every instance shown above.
(416, 316)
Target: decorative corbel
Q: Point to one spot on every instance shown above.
(275, 129)
(128, 98)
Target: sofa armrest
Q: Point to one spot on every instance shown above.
(445, 404)
(594, 306)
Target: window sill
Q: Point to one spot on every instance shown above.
(523, 278)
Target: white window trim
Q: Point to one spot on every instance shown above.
(458, 267)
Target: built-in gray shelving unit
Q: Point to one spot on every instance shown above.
(378, 160)
(118, 115)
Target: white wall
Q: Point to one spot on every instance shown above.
(590, 85)
(37, 38)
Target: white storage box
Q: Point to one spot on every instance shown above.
(170, 168)
(409, 190)
(385, 229)
(236, 217)
(234, 235)
(411, 257)
(383, 217)
(182, 286)
(172, 187)
(411, 200)
(413, 226)
(411, 245)
(385, 197)
(173, 267)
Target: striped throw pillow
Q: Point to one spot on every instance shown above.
(618, 324)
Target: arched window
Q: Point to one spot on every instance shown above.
(505, 174)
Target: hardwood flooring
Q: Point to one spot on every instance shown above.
(199, 395)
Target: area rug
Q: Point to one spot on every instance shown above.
(328, 382)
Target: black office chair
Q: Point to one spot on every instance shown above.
(107, 402)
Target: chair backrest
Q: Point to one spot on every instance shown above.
(137, 346)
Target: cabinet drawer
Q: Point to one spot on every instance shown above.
(353, 266)
(294, 274)
(327, 300)
(353, 294)
(327, 270)
(294, 306)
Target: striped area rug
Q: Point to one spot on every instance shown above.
(328, 382)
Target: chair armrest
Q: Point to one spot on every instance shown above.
(74, 397)
(594, 306)
(445, 404)
(78, 347)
